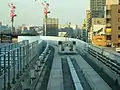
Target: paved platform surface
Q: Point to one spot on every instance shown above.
(97, 82)
(56, 77)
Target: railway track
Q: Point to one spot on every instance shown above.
(112, 64)
(67, 78)
(104, 60)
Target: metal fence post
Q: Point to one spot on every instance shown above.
(23, 55)
(27, 55)
(0, 63)
(9, 86)
(13, 81)
(32, 51)
(37, 48)
(11, 46)
(4, 72)
(23, 42)
(18, 63)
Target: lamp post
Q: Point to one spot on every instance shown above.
(12, 14)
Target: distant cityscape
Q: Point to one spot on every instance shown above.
(53, 29)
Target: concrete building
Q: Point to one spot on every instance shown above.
(84, 33)
(68, 26)
(113, 27)
(88, 24)
(98, 31)
(90, 37)
(27, 27)
(88, 20)
(52, 27)
(63, 25)
(97, 8)
(111, 2)
(113, 24)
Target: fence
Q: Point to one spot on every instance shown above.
(14, 60)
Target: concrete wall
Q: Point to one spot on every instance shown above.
(80, 44)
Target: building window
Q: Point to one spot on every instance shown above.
(118, 36)
(118, 45)
(118, 27)
(108, 20)
(108, 37)
(98, 22)
(118, 19)
(118, 10)
(108, 44)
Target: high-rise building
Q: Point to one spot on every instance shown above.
(97, 8)
(51, 27)
(88, 20)
(84, 33)
(88, 23)
(113, 24)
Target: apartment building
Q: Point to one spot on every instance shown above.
(113, 24)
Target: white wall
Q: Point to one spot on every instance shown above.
(80, 44)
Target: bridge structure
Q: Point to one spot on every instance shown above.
(34, 64)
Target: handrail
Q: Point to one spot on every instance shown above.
(13, 44)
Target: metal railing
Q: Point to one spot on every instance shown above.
(14, 60)
(106, 60)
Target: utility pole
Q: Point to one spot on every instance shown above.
(12, 14)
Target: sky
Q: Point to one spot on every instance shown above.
(30, 12)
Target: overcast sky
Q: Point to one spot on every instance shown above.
(31, 12)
